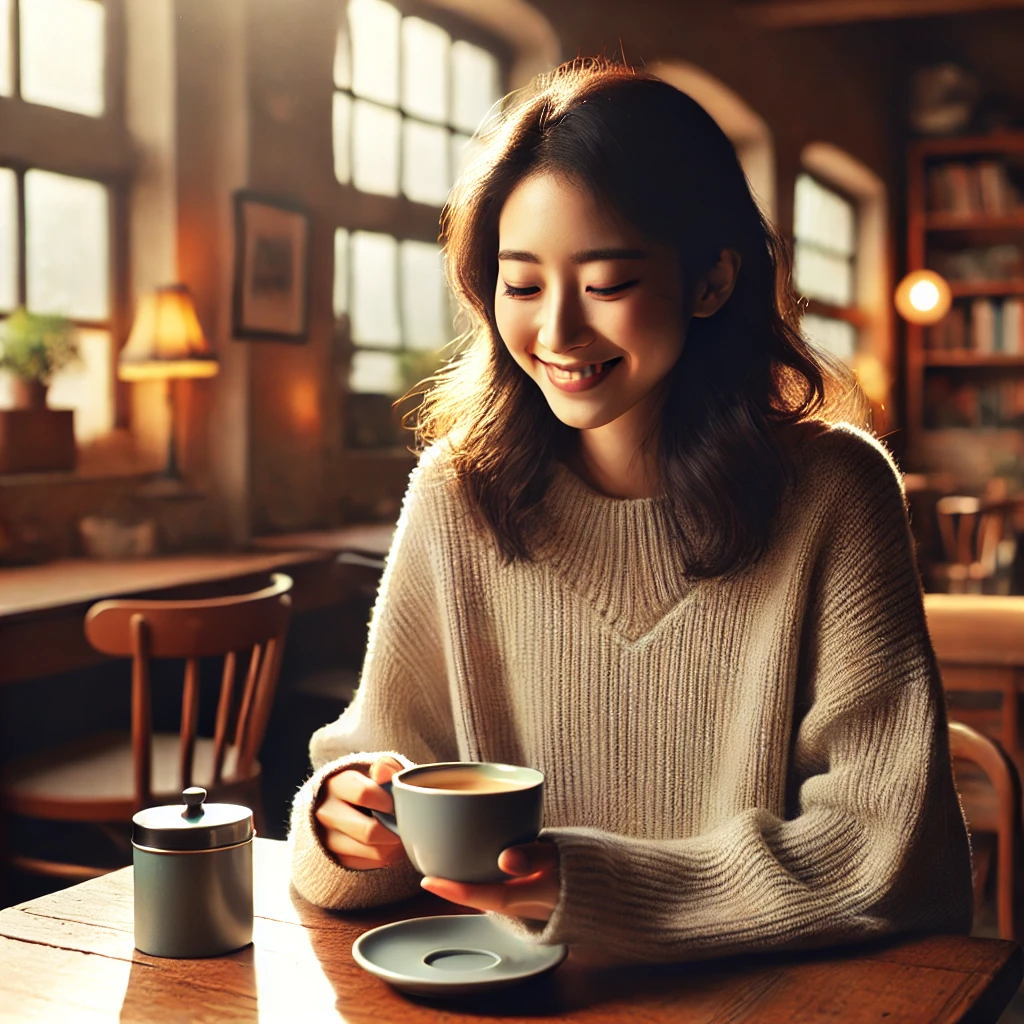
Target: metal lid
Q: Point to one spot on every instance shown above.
(192, 825)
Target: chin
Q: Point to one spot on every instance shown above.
(580, 418)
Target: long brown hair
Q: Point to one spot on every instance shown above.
(658, 159)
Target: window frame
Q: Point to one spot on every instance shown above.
(852, 314)
(99, 149)
(403, 219)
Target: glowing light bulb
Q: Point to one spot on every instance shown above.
(924, 296)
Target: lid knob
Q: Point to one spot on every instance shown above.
(193, 797)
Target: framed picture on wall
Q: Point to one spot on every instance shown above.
(271, 283)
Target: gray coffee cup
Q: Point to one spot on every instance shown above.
(459, 833)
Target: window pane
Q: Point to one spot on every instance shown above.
(425, 152)
(8, 239)
(375, 149)
(342, 56)
(62, 54)
(474, 85)
(341, 130)
(374, 295)
(821, 275)
(835, 336)
(67, 249)
(822, 216)
(374, 26)
(375, 373)
(87, 387)
(6, 50)
(464, 149)
(425, 69)
(340, 302)
(424, 297)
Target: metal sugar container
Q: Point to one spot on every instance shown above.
(193, 877)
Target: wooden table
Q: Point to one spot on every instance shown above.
(370, 539)
(42, 607)
(70, 957)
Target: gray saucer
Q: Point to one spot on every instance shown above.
(451, 956)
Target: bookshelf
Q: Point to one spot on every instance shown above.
(965, 375)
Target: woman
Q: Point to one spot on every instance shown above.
(635, 556)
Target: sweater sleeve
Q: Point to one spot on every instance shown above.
(401, 708)
(873, 841)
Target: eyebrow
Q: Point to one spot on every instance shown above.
(586, 256)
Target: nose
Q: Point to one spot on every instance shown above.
(563, 323)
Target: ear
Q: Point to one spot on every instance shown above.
(715, 287)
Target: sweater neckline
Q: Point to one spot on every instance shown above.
(621, 555)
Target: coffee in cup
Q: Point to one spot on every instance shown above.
(455, 818)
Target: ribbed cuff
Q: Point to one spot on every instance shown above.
(316, 875)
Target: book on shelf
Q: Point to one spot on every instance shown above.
(968, 188)
(992, 403)
(983, 326)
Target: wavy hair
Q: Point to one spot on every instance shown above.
(656, 157)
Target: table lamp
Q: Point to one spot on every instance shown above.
(167, 343)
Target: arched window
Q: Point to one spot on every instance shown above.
(841, 269)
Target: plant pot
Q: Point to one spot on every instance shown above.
(29, 394)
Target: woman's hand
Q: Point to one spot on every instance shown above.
(532, 893)
(355, 837)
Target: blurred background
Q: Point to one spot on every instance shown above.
(219, 267)
(286, 162)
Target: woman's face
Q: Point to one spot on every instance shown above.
(588, 308)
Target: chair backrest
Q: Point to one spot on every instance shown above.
(247, 625)
(979, 643)
(971, 531)
(967, 744)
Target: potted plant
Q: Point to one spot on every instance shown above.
(33, 348)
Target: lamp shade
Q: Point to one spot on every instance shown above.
(923, 297)
(166, 339)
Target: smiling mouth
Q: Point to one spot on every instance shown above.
(581, 377)
(584, 372)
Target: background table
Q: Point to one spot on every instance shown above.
(70, 957)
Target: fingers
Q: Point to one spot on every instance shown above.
(338, 816)
(353, 787)
(356, 839)
(384, 767)
(528, 858)
(534, 897)
(361, 856)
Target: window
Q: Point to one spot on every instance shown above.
(825, 254)
(409, 95)
(55, 228)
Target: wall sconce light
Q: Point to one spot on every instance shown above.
(923, 297)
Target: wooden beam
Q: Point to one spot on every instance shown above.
(807, 13)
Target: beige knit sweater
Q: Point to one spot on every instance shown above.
(747, 763)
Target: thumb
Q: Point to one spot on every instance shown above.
(528, 858)
(384, 767)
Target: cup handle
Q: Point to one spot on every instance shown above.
(387, 820)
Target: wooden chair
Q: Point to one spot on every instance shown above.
(107, 778)
(990, 794)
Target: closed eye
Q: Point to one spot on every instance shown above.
(518, 293)
(614, 289)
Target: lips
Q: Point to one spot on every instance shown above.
(581, 377)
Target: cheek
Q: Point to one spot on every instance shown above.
(513, 326)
